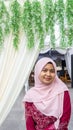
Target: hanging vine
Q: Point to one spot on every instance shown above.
(69, 14)
(4, 22)
(49, 20)
(27, 23)
(37, 21)
(15, 22)
(1, 37)
(59, 11)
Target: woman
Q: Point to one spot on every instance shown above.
(47, 104)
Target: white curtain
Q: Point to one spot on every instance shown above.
(15, 67)
(68, 60)
(67, 53)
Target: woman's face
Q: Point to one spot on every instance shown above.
(47, 74)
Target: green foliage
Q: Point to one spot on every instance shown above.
(4, 22)
(27, 23)
(69, 14)
(1, 36)
(60, 13)
(15, 21)
(49, 20)
(37, 19)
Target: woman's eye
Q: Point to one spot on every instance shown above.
(52, 71)
(44, 70)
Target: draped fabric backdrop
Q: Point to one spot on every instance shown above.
(16, 65)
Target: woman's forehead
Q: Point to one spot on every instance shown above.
(49, 65)
(42, 62)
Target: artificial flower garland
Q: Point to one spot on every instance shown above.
(49, 20)
(27, 23)
(60, 13)
(37, 21)
(15, 22)
(4, 22)
(69, 14)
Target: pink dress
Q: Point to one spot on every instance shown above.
(35, 120)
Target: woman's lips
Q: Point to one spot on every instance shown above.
(47, 78)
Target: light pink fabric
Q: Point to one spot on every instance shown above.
(47, 98)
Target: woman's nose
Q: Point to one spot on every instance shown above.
(48, 72)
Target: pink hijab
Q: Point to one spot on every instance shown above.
(48, 99)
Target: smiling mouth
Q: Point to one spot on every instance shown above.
(48, 79)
